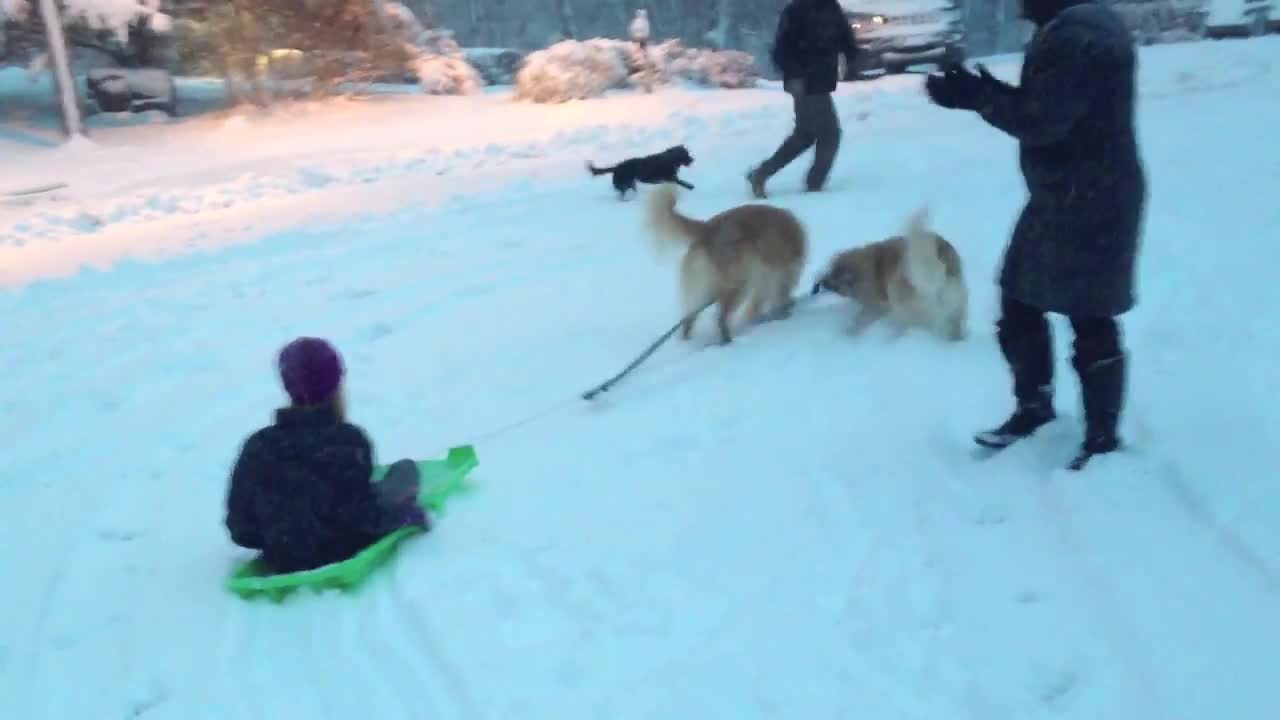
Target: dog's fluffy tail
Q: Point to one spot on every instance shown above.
(925, 267)
(668, 225)
(599, 170)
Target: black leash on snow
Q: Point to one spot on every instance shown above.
(653, 347)
(607, 384)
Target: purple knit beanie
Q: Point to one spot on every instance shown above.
(311, 370)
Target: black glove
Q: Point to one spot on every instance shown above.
(956, 88)
(992, 80)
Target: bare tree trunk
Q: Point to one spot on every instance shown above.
(60, 63)
(251, 45)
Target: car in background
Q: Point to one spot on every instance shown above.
(1161, 21)
(895, 34)
(1235, 18)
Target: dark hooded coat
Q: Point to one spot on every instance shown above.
(811, 37)
(1075, 245)
(301, 493)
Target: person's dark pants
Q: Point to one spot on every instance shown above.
(817, 126)
(1098, 358)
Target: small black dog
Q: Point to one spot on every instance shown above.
(657, 168)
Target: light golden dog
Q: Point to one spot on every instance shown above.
(915, 279)
(752, 252)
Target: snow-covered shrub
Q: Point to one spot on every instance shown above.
(117, 32)
(402, 22)
(572, 70)
(440, 66)
(717, 68)
(112, 15)
(446, 75)
(711, 68)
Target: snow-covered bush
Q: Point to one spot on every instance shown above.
(572, 70)
(402, 22)
(446, 75)
(717, 68)
(440, 66)
(111, 32)
(112, 15)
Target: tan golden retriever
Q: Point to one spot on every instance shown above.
(915, 279)
(751, 252)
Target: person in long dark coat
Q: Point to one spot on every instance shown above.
(1075, 246)
(811, 37)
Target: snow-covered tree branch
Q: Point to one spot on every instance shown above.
(112, 15)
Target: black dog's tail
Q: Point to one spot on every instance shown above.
(600, 171)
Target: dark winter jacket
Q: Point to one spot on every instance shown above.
(301, 493)
(812, 35)
(1075, 245)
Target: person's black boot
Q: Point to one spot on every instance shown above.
(1025, 342)
(1102, 388)
(1028, 417)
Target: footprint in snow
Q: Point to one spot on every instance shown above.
(119, 534)
(991, 515)
(377, 332)
(1059, 687)
(146, 698)
(360, 294)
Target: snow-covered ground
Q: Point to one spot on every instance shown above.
(789, 527)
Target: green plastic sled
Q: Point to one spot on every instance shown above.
(440, 479)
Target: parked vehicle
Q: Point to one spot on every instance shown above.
(1237, 18)
(895, 34)
(1162, 21)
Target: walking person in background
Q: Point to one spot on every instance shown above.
(811, 37)
(1074, 248)
(639, 32)
(639, 28)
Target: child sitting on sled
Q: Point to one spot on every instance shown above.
(301, 490)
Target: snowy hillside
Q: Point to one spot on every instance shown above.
(790, 527)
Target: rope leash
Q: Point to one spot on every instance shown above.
(560, 405)
(653, 347)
